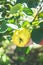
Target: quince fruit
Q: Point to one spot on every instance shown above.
(21, 37)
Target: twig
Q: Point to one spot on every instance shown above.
(37, 13)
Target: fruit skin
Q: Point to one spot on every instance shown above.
(37, 36)
(21, 37)
(41, 42)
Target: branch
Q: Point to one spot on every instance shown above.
(37, 13)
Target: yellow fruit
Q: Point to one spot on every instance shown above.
(21, 37)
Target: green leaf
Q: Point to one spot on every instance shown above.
(21, 58)
(12, 26)
(16, 8)
(1, 51)
(5, 59)
(30, 3)
(28, 50)
(3, 27)
(26, 24)
(2, 1)
(40, 57)
(40, 15)
(28, 11)
(5, 43)
(9, 29)
(35, 23)
(11, 21)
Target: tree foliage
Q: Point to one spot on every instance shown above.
(17, 14)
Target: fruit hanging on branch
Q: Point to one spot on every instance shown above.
(21, 37)
(37, 36)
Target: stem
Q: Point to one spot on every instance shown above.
(38, 10)
(37, 13)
